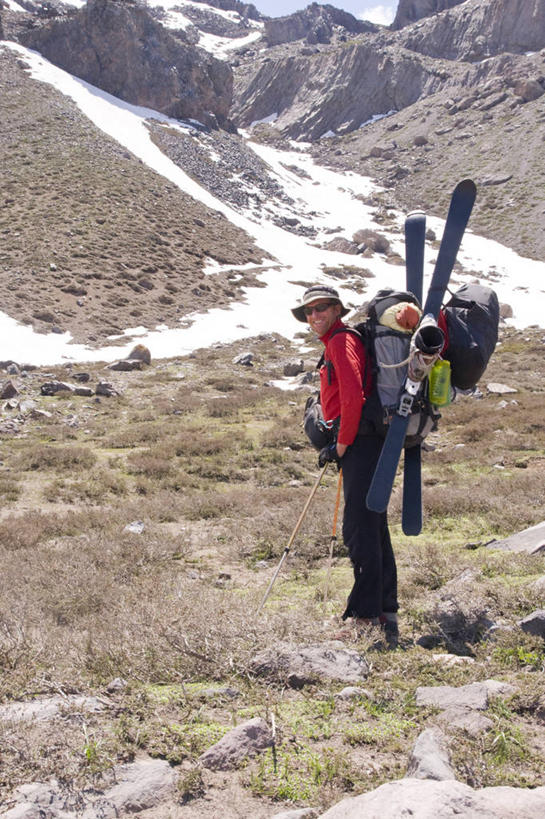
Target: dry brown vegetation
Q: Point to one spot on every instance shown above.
(123, 247)
(216, 467)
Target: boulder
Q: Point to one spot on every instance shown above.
(46, 708)
(530, 540)
(295, 367)
(342, 245)
(427, 799)
(301, 665)
(429, 758)
(8, 390)
(54, 387)
(473, 696)
(244, 359)
(139, 786)
(500, 389)
(528, 90)
(126, 365)
(372, 240)
(140, 353)
(243, 741)
(534, 623)
(471, 722)
(106, 389)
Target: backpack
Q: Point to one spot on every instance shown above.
(387, 355)
(317, 430)
(472, 316)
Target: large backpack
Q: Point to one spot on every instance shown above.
(472, 316)
(388, 355)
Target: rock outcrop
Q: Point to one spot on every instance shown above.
(479, 29)
(428, 798)
(121, 49)
(315, 24)
(337, 88)
(409, 11)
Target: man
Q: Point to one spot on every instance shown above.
(345, 387)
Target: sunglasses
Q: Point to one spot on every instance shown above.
(319, 308)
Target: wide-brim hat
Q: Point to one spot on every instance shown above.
(318, 291)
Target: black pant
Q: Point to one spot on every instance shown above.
(366, 535)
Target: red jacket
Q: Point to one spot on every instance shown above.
(341, 386)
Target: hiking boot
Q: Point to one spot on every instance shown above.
(390, 629)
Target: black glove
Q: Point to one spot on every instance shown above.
(328, 454)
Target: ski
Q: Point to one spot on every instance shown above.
(459, 212)
(411, 518)
(415, 237)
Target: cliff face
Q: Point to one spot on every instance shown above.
(342, 85)
(479, 29)
(121, 49)
(409, 11)
(337, 90)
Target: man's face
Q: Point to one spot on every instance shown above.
(322, 314)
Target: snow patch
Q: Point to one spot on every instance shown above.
(377, 117)
(326, 200)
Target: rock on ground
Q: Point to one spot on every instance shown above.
(530, 540)
(244, 740)
(534, 623)
(306, 664)
(47, 708)
(425, 799)
(429, 758)
(139, 786)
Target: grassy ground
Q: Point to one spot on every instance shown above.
(213, 461)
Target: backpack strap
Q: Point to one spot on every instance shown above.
(329, 364)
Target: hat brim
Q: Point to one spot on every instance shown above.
(299, 312)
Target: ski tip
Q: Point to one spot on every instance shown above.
(467, 185)
(416, 214)
(411, 530)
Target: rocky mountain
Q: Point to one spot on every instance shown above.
(464, 83)
(452, 89)
(409, 11)
(340, 87)
(315, 24)
(120, 48)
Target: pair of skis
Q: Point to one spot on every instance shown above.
(380, 490)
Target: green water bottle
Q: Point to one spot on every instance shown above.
(440, 383)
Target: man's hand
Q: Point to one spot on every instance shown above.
(341, 449)
(328, 454)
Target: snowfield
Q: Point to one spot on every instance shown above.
(324, 199)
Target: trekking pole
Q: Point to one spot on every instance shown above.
(333, 535)
(293, 534)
